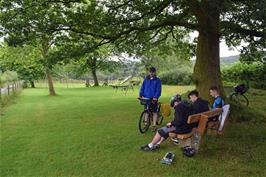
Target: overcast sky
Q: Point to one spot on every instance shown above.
(224, 50)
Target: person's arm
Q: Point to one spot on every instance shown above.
(141, 92)
(158, 89)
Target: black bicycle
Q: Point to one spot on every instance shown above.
(238, 96)
(146, 117)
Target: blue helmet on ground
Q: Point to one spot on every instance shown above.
(189, 151)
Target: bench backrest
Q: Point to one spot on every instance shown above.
(214, 112)
(202, 118)
(223, 117)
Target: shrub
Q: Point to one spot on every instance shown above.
(177, 77)
(254, 74)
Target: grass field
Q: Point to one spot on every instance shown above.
(93, 132)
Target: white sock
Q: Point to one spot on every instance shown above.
(150, 145)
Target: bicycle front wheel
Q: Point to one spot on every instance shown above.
(239, 99)
(144, 121)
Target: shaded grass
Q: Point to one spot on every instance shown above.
(93, 132)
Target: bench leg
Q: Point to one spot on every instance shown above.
(195, 141)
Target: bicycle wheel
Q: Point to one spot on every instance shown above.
(160, 116)
(233, 97)
(243, 100)
(144, 121)
(239, 99)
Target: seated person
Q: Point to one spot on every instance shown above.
(218, 101)
(178, 125)
(198, 105)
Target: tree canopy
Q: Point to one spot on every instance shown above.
(134, 26)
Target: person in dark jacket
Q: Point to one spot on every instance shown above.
(151, 88)
(178, 125)
(198, 105)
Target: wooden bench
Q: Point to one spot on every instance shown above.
(217, 127)
(201, 119)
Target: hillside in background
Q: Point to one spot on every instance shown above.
(229, 60)
(225, 60)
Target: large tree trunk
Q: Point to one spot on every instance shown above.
(45, 48)
(50, 82)
(32, 84)
(207, 68)
(92, 65)
(95, 79)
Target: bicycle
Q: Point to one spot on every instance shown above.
(146, 116)
(238, 96)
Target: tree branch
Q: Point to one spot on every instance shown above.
(169, 21)
(154, 11)
(238, 29)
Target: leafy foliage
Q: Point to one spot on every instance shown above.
(26, 61)
(8, 77)
(254, 74)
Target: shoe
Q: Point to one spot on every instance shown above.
(147, 148)
(175, 140)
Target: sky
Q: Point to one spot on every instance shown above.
(224, 49)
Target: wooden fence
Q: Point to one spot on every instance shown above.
(10, 88)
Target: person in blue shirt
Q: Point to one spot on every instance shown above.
(218, 101)
(151, 88)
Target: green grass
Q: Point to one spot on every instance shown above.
(93, 132)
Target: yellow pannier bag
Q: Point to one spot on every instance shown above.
(165, 109)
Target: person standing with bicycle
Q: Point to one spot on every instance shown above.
(151, 88)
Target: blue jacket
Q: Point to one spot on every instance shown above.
(151, 88)
(218, 102)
